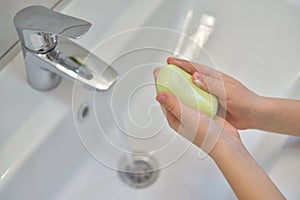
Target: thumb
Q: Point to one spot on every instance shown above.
(171, 103)
(210, 84)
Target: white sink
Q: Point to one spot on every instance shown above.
(48, 152)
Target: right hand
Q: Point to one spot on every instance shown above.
(238, 102)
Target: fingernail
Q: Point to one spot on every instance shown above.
(196, 79)
(161, 98)
(197, 75)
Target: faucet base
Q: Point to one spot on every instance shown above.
(38, 76)
(53, 82)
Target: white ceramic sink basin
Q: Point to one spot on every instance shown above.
(49, 149)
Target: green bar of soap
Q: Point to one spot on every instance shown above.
(176, 81)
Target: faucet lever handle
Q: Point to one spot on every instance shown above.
(38, 27)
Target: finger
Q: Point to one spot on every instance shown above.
(191, 124)
(210, 84)
(173, 122)
(221, 112)
(183, 64)
(192, 67)
(185, 115)
(179, 116)
(170, 103)
(155, 73)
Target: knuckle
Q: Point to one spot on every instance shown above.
(171, 107)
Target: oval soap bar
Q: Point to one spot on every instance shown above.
(176, 81)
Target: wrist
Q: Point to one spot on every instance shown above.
(226, 146)
(261, 113)
(258, 113)
(240, 169)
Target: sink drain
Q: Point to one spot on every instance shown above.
(140, 172)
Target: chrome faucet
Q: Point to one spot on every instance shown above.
(48, 57)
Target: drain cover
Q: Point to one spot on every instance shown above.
(138, 172)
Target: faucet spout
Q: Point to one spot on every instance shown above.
(49, 58)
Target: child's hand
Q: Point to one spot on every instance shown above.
(238, 102)
(195, 126)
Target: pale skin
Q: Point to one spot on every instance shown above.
(244, 109)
